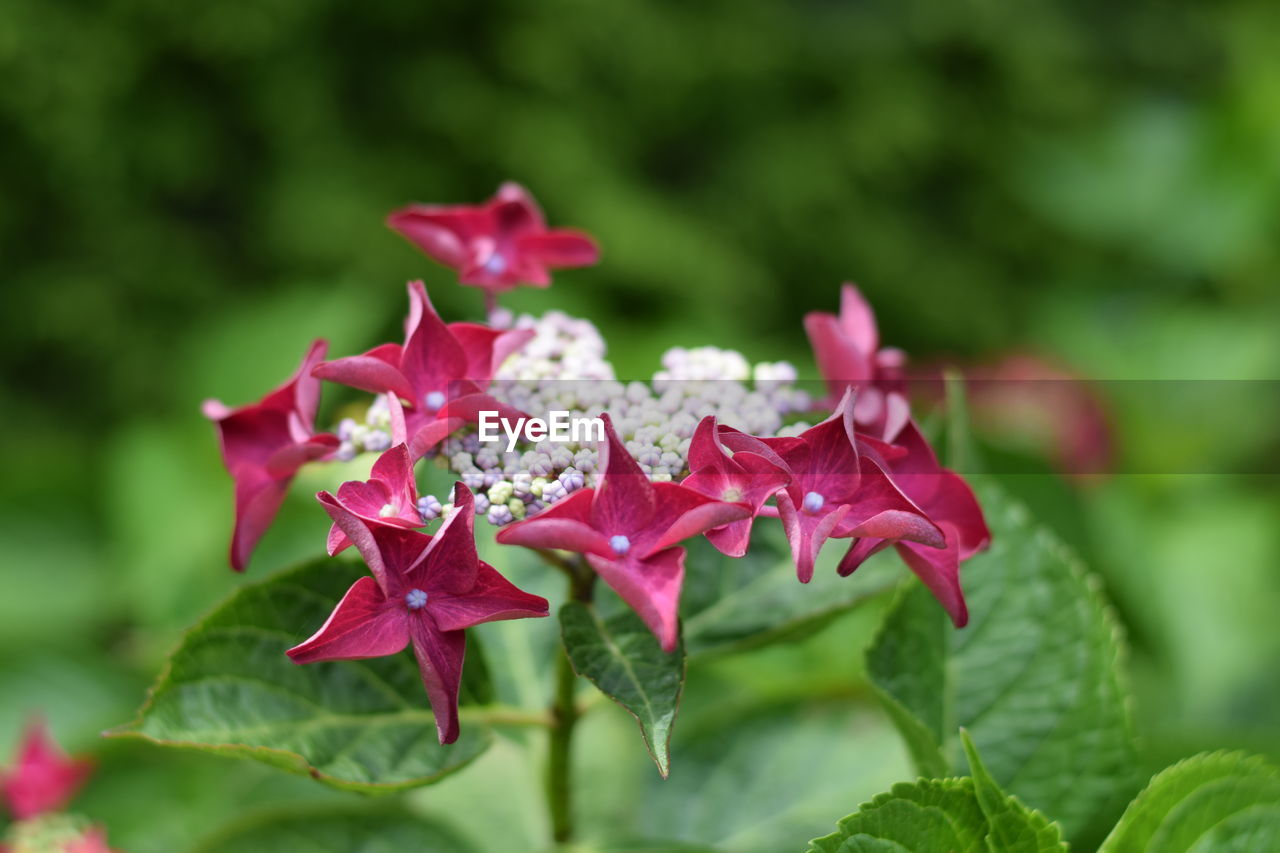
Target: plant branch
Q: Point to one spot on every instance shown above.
(564, 716)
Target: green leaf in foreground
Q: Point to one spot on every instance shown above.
(1212, 802)
(326, 831)
(229, 688)
(929, 815)
(1012, 827)
(621, 656)
(1035, 677)
(944, 815)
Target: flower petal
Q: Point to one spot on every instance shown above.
(651, 587)
(440, 655)
(487, 348)
(258, 499)
(561, 247)
(939, 570)
(450, 562)
(368, 373)
(491, 599)
(363, 625)
(624, 500)
(43, 779)
(806, 533)
(682, 512)
(565, 525)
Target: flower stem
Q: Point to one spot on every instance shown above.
(564, 716)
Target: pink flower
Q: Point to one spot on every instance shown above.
(389, 496)
(264, 445)
(43, 779)
(628, 528)
(440, 371)
(839, 489)
(949, 501)
(497, 245)
(425, 590)
(847, 349)
(750, 474)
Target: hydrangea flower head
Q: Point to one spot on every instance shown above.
(264, 445)
(43, 779)
(628, 528)
(497, 245)
(425, 591)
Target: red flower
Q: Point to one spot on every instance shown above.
(750, 474)
(847, 349)
(43, 779)
(839, 489)
(264, 445)
(440, 371)
(425, 590)
(628, 528)
(949, 501)
(497, 245)
(389, 496)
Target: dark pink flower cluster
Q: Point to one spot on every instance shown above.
(865, 473)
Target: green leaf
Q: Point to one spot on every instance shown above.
(621, 656)
(930, 815)
(1211, 802)
(230, 689)
(316, 831)
(733, 604)
(1012, 827)
(1035, 677)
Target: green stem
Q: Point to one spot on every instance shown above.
(564, 716)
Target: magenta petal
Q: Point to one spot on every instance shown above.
(432, 433)
(362, 537)
(363, 625)
(858, 553)
(561, 247)
(624, 499)
(806, 533)
(432, 357)
(487, 348)
(683, 513)
(858, 320)
(469, 406)
(367, 374)
(491, 599)
(258, 499)
(733, 539)
(450, 562)
(286, 461)
(43, 779)
(565, 525)
(431, 233)
(651, 587)
(440, 655)
(839, 363)
(939, 570)
(337, 541)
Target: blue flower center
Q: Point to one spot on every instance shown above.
(416, 599)
(434, 400)
(496, 264)
(620, 544)
(813, 502)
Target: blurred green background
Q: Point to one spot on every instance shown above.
(192, 193)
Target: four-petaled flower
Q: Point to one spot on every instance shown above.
(628, 528)
(43, 779)
(847, 349)
(441, 371)
(497, 245)
(949, 501)
(389, 496)
(839, 488)
(425, 591)
(264, 445)
(748, 472)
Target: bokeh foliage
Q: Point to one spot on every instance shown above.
(191, 193)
